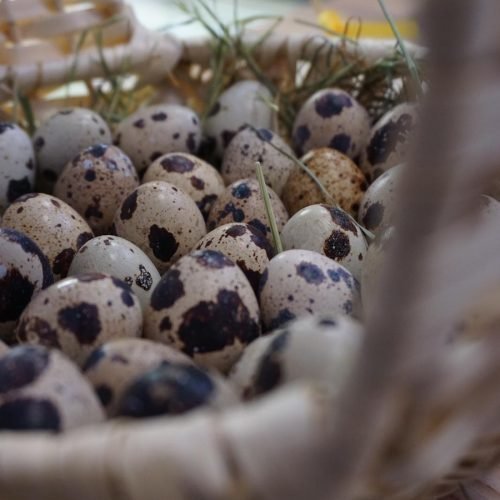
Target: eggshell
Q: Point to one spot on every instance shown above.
(242, 201)
(120, 258)
(24, 271)
(17, 164)
(256, 145)
(162, 220)
(153, 131)
(205, 307)
(57, 228)
(331, 118)
(62, 136)
(300, 283)
(194, 176)
(243, 103)
(44, 391)
(79, 314)
(329, 231)
(341, 178)
(95, 182)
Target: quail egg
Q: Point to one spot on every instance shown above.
(17, 163)
(42, 390)
(162, 220)
(327, 230)
(205, 307)
(300, 283)
(156, 130)
(79, 314)
(331, 118)
(95, 182)
(57, 228)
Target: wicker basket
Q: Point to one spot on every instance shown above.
(417, 422)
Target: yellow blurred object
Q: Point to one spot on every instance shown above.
(354, 27)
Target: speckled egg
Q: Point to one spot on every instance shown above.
(244, 103)
(42, 390)
(258, 145)
(331, 118)
(245, 245)
(205, 307)
(242, 202)
(327, 230)
(162, 220)
(376, 212)
(172, 389)
(95, 182)
(120, 258)
(112, 367)
(194, 176)
(300, 283)
(341, 178)
(24, 271)
(389, 142)
(79, 314)
(62, 136)
(156, 130)
(17, 163)
(318, 349)
(57, 228)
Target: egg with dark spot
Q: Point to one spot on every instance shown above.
(329, 231)
(41, 390)
(120, 258)
(314, 283)
(17, 164)
(95, 182)
(194, 176)
(211, 309)
(57, 228)
(316, 349)
(24, 271)
(331, 118)
(163, 221)
(62, 136)
(153, 131)
(79, 314)
(242, 202)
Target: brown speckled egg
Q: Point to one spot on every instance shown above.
(114, 365)
(57, 228)
(80, 313)
(205, 307)
(245, 245)
(242, 202)
(24, 271)
(243, 103)
(331, 118)
(300, 283)
(343, 180)
(62, 136)
(389, 142)
(194, 176)
(320, 349)
(329, 231)
(156, 130)
(95, 182)
(17, 163)
(256, 145)
(376, 212)
(119, 258)
(162, 220)
(44, 391)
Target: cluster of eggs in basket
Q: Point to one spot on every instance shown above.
(146, 283)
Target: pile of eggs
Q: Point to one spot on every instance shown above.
(138, 280)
